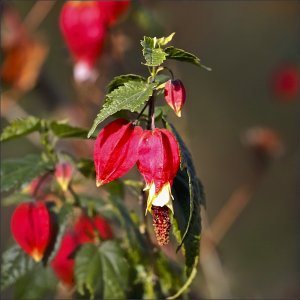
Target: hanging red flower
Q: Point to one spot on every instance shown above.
(115, 150)
(31, 228)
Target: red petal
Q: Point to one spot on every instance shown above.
(103, 228)
(112, 10)
(83, 29)
(31, 228)
(158, 159)
(175, 95)
(63, 263)
(115, 150)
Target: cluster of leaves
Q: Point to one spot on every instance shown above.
(131, 266)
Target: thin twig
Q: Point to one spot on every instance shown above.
(37, 14)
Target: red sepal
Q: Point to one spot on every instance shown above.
(158, 157)
(115, 150)
(84, 30)
(31, 228)
(113, 10)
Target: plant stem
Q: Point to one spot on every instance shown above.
(151, 118)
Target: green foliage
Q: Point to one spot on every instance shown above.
(86, 167)
(63, 130)
(152, 51)
(14, 199)
(129, 96)
(15, 263)
(17, 172)
(115, 270)
(33, 287)
(102, 270)
(20, 127)
(88, 269)
(120, 80)
(182, 55)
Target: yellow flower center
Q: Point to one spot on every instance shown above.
(162, 198)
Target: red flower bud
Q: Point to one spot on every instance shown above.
(115, 150)
(286, 82)
(158, 162)
(89, 229)
(112, 10)
(84, 31)
(175, 95)
(31, 228)
(63, 174)
(63, 262)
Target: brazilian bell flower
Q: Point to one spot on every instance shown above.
(158, 162)
(115, 150)
(84, 230)
(89, 229)
(63, 263)
(175, 95)
(31, 227)
(112, 10)
(63, 174)
(84, 32)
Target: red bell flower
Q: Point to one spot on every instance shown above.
(89, 229)
(286, 82)
(158, 162)
(31, 228)
(115, 150)
(63, 175)
(112, 10)
(63, 262)
(84, 31)
(85, 230)
(175, 95)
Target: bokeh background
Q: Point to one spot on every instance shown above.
(247, 44)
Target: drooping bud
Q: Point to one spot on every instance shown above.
(63, 175)
(115, 150)
(31, 228)
(89, 229)
(63, 262)
(158, 162)
(161, 224)
(84, 31)
(113, 10)
(175, 95)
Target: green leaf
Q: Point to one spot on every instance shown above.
(20, 127)
(182, 55)
(120, 80)
(187, 193)
(115, 270)
(86, 168)
(153, 55)
(63, 130)
(15, 264)
(134, 240)
(39, 283)
(165, 40)
(88, 270)
(129, 96)
(16, 172)
(15, 198)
